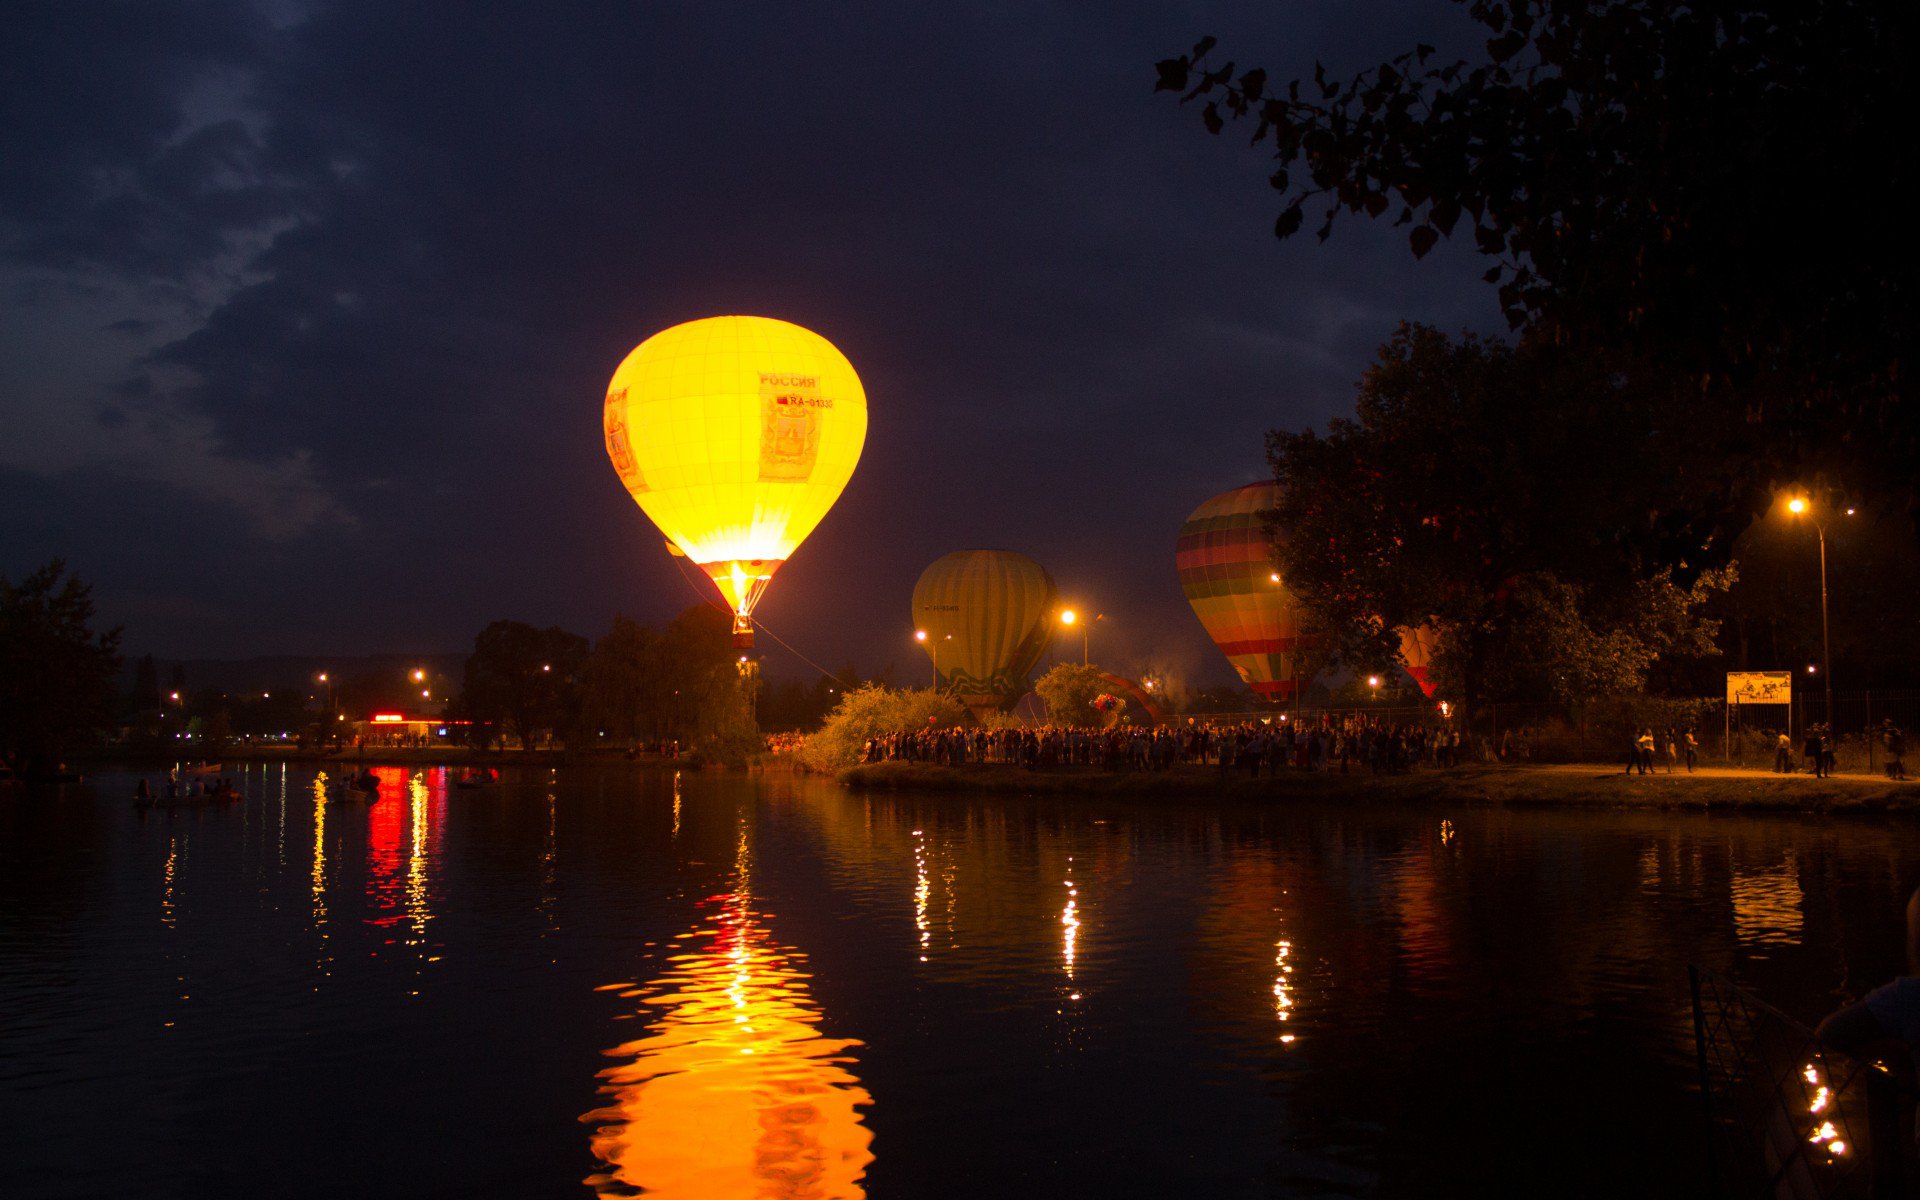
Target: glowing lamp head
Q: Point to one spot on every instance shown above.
(1068, 616)
(419, 675)
(1273, 576)
(1373, 681)
(1797, 505)
(919, 635)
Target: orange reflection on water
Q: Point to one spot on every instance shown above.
(733, 1093)
(1070, 924)
(1767, 904)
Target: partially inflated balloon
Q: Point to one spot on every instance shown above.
(1225, 557)
(736, 435)
(987, 615)
(1416, 648)
(1136, 694)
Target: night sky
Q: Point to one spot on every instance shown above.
(306, 310)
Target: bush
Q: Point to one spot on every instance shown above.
(870, 712)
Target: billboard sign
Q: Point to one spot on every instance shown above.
(1759, 687)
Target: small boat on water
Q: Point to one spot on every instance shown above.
(475, 779)
(222, 793)
(359, 787)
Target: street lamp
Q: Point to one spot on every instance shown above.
(1799, 506)
(1069, 617)
(419, 675)
(933, 648)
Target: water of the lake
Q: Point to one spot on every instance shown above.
(712, 986)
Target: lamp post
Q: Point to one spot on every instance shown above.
(1070, 618)
(1799, 506)
(933, 648)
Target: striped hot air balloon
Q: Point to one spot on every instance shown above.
(1226, 569)
(986, 615)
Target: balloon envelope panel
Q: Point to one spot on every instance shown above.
(987, 615)
(1416, 648)
(735, 435)
(1225, 558)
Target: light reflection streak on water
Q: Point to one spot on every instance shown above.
(732, 1094)
(1283, 984)
(387, 837)
(1070, 925)
(1767, 904)
(549, 863)
(168, 875)
(166, 882)
(676, 805)
(283, 816)
(922, 890)
(320, 869)
(418, 912)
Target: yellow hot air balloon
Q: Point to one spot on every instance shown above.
(985, 615)
(735, 435)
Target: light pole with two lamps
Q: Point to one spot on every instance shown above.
(1800, 506)
(1070, 618)
(933, 648)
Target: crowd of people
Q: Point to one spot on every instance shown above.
(1355, 742)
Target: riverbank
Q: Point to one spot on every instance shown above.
(1588, 786)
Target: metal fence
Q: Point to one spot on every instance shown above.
(1787, 1116)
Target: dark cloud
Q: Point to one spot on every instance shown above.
(1062, 295)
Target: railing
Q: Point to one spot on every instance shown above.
(1789, 1118)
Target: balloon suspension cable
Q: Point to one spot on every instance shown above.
(758, 624)
(704, 594)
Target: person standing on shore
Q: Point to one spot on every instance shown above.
(1643, 745)
(1896, 747)
(1693, 751)
(1815, 752)
(1783, 754)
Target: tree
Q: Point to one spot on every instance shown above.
(57, 677)
(1475, 475)
(875, 711)
(802, 706)
(682, 682)
(1558, 641)
(1069, 690)
(624, 685)
(524, 678)
(1621, 165)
